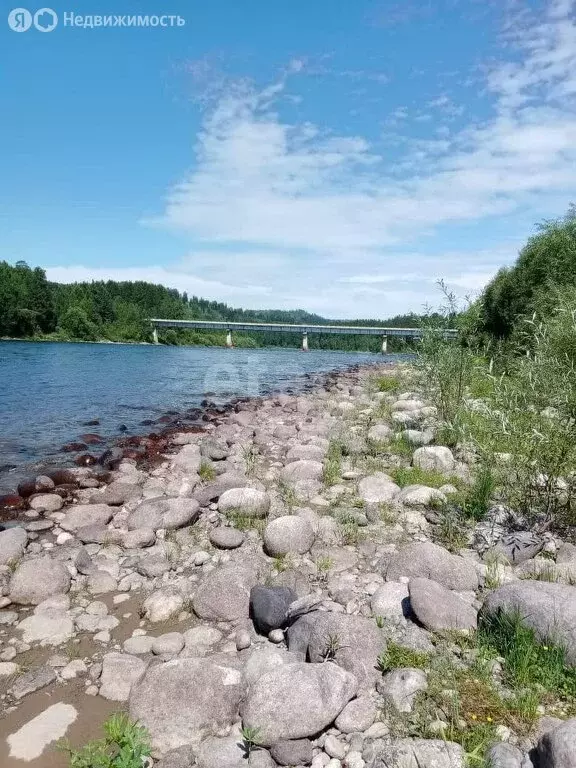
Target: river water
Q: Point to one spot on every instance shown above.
(48, 391)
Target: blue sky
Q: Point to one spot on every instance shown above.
(333, 156)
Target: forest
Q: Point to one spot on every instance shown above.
(31, 307)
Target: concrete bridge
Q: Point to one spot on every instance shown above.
(304, 330)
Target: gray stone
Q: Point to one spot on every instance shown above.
(188, 460)
(391, 602)
(226, 538)
(416, 753)
(249, 502)
(116, 493)
(378, 488)
(119, 673)
(214, 449)
(504, 755)
(50, 627)
(357, 716)
(185, 700)
(268, 607)
(46, 502)
(334, 747)
(288, 534)
(439, 609)
(292, 752)
(153, 566)
(224, 594)
(417, 496)
(32, 681)
(517, 547)
(35, 580)
(214, 490)
(557, 748)
(418, 437)
(138, 645)
(352, 642)
(141, 537)
(434, 457)
(227, 752)
(431, 561)
(302, 470)
(305, 452)
(100, 582)
(380, 433)
(183, 757)
(400, 686)
(170, 643)
(164, 513)
(549, 609)
(295, 701)
(263, 659)
(12, 545)
(98, 534)
(163, 604)
(86, 514)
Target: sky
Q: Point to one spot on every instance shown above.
(337, 156)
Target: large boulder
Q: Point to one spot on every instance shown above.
(380, 433)
(36, 580)
(400, 686)
(224, 594)
(188, 460)
(378, 488)
(86, 514)
(163, 604)
(431, 561)
(248, 502)
(289, 534)
(352, 642)
(164, 513)
(185, 700)
(548, 608)
(416, 753)
(305, 452)
(227, 752)
(268, 607)
(301, 470)
(416, 496)
(119, 673)
(116, 493)
(12, 545)
(434, 457)
(295, 701)
(439, 609)
(391, 601)
(557, 748)
(223, 483)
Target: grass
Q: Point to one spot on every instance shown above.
(349, 529)
(404, 476)
(399, 657)
(324, 564)
(332, 463)
(250, 455)
(124, 745)
(451, 529)
(288, 495)
(388, 515)
(245, 523)
(282, 563)
(207, 472)
(387, 384)
(476, 499)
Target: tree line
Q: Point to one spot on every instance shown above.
(31, 307)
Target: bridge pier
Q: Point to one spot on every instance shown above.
(229, 343)
(155, 335)
(305, 341)
(384, 344)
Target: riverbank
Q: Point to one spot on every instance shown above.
(289, 577)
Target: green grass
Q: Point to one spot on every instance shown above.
(475, 500)
(528, 663)
(245, 523)
(399, 657)
(287, 494)
(404, 476)
(207, 472)
(123, 746)
(332, 463)
(387, 384)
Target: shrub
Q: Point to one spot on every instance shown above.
(124, 745)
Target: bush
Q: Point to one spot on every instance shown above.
(124, 745)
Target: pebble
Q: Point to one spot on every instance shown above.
(8, 668)
(121, 598)
(334, 747)
(243, 640)
(276, 636)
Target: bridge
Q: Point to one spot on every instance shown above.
(304, 330)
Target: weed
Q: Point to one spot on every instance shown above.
(404, 476)
(387, 384)
(207, 472)
(398, 657)
(252, 738)
(324, 564)
(401, 446)
(282, 563)
(332, 463)
(349, 529)
(476, 499)
(379, 621)
(125, 745)
(250, 455)
(246, 523)
(388, 515)
(450, 530)
(331, 647)
(287, 494)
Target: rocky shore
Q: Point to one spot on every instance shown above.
(269, 590)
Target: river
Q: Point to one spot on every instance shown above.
(48, 391)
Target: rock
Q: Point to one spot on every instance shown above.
(557, 748)
(227, 752)
(119, 672)
(439, 609)
(214, 490)
(517, 547)
(183, 757)
(214, 449)
(207, 696)
(417, 753)
(306, 453)
(12, 545)
(549, 609)
(263, 659)
(400, 686)
(352, 642)
(334, 748)
(380, 433)
(100, 582)
(417, 496)
(268, 607)
(171, 643)
(391, 602)
(226, 538)
(51, 627)
(288, 534)
(249, 502)
(434, 457)
(32, 681)
(46, 502)
(153, 566)
(163, 604)
(503, 755)
(138, 645)
(86, 514)
(35, 580)
(164, 513)
(98, 534)
(243, 640)
(431, 561)
(116, 493)
(29, 742)
(8, 668)
(302, 470)
(417, 437)
(295, 701)
(141, 537)
(357, 716)
(188, 460)
(377, 488)
(292, 752)
(224, 594)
